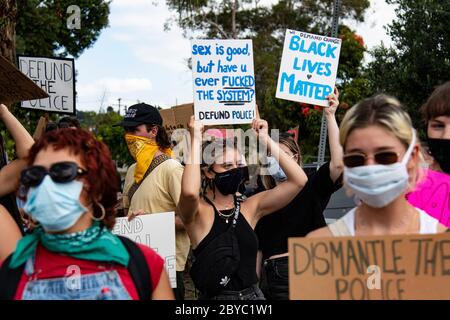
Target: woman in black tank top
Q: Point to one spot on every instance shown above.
(219, 222)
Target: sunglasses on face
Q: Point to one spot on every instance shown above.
(359, 159)
(61, 172)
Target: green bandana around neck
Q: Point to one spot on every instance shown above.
(95, 244)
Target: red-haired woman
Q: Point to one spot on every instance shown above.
(71, 191)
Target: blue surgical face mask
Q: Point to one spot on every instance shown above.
(378, 185)
(56, 206)
(274, 169)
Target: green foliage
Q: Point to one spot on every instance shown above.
(101, 124)
(420, 59)
(42, 26)
(41, 30)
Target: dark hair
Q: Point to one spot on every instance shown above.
(162, 138)
(51, 126)
(66, 122)
(438, 104)
(95, 157)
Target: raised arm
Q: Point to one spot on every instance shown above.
(191, 181)
(272, 200)
(9, 234)
(336, 151)
(10, 176)
(22, 138)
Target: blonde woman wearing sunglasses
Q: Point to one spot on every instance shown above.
(381, 164)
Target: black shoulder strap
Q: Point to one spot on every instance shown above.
(9, 279)
(237, 209)
(139, 269)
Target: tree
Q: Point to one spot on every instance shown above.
(8, 13)
(42, 26)
(420, 57)
(42, 30)
(113, 137)
(39, 28)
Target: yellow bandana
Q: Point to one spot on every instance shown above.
(143, 151)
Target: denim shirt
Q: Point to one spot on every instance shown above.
(104, 285)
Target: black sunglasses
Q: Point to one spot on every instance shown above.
(61, 172)
(359, 159)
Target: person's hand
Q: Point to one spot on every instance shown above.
(134, 214)
(195, 127)
(3, 110)
(261, 127)
(333, 102)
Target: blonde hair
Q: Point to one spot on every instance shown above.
(384, 111)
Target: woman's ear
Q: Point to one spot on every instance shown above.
(208, 173)
(86, 185)
(413, 168)
(415, 158)
(154, 131)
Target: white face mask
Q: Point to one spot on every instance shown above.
(378, 185)
(275, 170)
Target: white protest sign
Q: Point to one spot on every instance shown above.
(56, 76)
(223, 81)
(157, 231)
(308, 67)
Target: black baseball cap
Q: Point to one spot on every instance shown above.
(141, 113)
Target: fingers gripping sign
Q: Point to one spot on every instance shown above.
(134, 214)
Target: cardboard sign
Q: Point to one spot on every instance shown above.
(56, 76)
(15, 86)
(157, 231)
(433, 196)
(308, 67)
(40, 128)
(370, 268)
(177, 117)
(223, 81)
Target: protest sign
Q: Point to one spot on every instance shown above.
(370, 268)
(157, 231)
(40, 128)
(177, 117)
(308, 67)
(15, 86)
(223, 81)
(56, 76)
(433, 196)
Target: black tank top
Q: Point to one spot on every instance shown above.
(248, 247)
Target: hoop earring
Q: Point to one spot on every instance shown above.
(27, 221)
(102, 209)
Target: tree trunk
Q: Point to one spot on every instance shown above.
(233, 19)
(8, 15)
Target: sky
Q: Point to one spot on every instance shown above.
(136, 60)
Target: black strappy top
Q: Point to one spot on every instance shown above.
(248, 246)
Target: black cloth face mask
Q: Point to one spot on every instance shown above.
(440, 150)
(228, 182)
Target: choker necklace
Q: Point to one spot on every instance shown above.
(234, 211)
(227, 207)
(225, 216)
